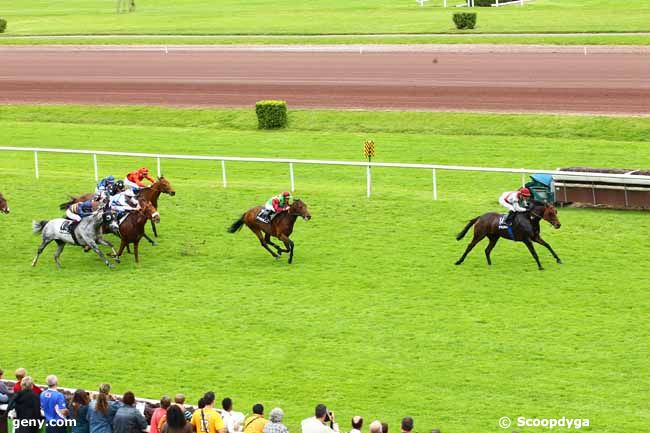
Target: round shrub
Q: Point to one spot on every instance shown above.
(465, 20)
(271, 114)
(3, 25)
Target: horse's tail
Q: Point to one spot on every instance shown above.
(236, 225)
(462, 234)
(38, 226)
(67, 204)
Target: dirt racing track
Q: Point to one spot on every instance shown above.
(613, 83)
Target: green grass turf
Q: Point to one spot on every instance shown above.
(372, 318)
(312, 17)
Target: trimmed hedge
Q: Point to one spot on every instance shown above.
(3, 25)
(271, 114)
(465, 20)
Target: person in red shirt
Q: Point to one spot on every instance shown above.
(20, 373)
(134, 179)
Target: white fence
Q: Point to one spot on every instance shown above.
(367, 165)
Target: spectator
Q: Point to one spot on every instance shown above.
(79, 411)
(128, 418)
(319, 422)
(20, 374)
(54, 407)
(256, 422)
(375, 427)
(4, 392)
(27, 406)
(175, 421)
(357, 424)
(179, 400)
(159, 413)
(407, 424)
(102, 411)
(275, 422)
(206, 419)
(384, 427)
(234, 420)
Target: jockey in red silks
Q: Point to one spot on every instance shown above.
(515, 201)
(134, 179)
(275, 205)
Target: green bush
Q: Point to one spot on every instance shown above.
(3, 25)
(465, 20)
(271, 114)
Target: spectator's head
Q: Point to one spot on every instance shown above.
(276, 415)
(175, 418)
(27, 382)
(407, 424)
(384, 427)
(179, 399)
(165, 401)
(80, 398)
(208, 398)
(128, 398)
(52, 381)
(201, 403)
(258, 409)
(320, 412)
(20, 373)
(102, 398)
(357, 422)
(375, 427)
(226, 404)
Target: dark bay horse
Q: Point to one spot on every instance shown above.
(280, 227)
(4, 207)
(525, 228)
(132, 228)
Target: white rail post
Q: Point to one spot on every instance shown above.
(95, 167)
(293, 187)
(445, 3)
(36, 164)
(158, 166)
(368, 182)
(523, 180)
(223, 173)
(435, 184)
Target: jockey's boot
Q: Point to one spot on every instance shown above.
(510, 218)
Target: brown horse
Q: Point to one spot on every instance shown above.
(132, 228)
(525, 228)
(151, 194)
(4, 207)
(280, 227)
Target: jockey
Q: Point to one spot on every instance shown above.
(104, 185)
(77, 211)
(122, 203)
(515, 201)
(134, 179)
(275, 205)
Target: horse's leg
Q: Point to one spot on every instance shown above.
(541, 241)
(57, 253)
(155, 230)
(104, 242)
(41, 247)
(267, 239)
(493, 241)
(136, 244)
(91, 243)
(288, 243)
(151, 241)
(475, 240)
(263, 243)
(531, 248)
(123, 244)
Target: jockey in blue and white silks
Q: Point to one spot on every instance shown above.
(124, 202)
(80, 210)
(104, 185)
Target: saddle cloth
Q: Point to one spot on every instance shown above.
(65, 227)
(502, 222)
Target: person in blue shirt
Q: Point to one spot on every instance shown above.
(53, 407)
(101, 411)
(79, 411)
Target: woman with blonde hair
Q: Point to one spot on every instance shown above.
(101, 411)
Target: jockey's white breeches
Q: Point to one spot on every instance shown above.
(268, 206)
(131, 185)
(73, 216)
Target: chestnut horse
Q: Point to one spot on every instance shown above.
(525, 228)
(4, 207)
(280, 227)
(132, 228)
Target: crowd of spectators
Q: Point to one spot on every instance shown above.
(102, 412)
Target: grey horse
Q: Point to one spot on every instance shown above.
(87, 232)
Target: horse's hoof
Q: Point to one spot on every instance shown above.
(458, 263)
(559, 262)
(154, 244)
(111, 266)
(541, 268)
(277, 257)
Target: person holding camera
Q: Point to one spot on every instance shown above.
(323, 421)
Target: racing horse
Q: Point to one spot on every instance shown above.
(281, 227)
(86, 234)
(525, 228)
(4, 207)
(132, 228)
